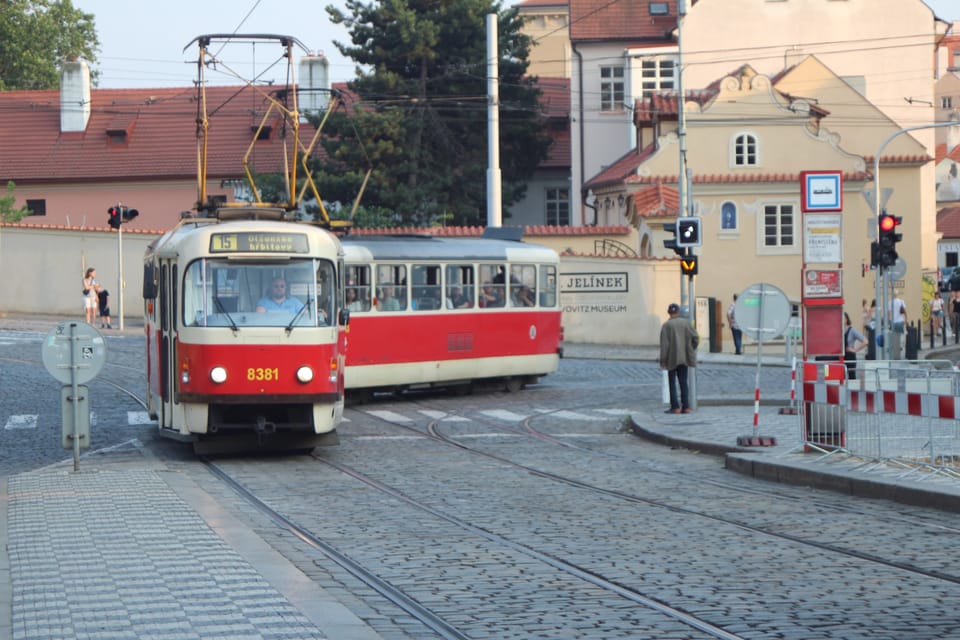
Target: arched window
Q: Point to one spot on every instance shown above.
(728, 216)
(745, 151)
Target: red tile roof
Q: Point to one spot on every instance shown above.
(543, 3)
(160, 142)
(948, 223)
(534, 230)
(603, 20)
(656, 201)
(723, 178)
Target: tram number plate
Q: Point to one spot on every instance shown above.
(263, 374)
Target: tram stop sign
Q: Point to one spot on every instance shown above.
(762, 311)
(74, 352)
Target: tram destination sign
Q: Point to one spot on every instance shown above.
(259, 242)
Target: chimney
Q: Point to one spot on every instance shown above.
(74, 96)
(314, 83)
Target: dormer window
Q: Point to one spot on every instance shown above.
(262, 133)
(117, 136)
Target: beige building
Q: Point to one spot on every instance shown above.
(750, 138)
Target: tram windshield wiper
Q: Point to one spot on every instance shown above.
(299, 313)
(223, 310)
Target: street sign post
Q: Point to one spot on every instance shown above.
(74, 353)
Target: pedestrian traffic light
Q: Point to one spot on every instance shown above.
(688, 232)
(887, 252)
(689, 265)
(671, 243)
(115, 219)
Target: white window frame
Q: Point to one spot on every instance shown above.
(736, 154)
(662, 81)
(555, 199)
(782, 229)
(609, 85)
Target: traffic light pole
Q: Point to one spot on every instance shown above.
(120, 273)
(881, 277)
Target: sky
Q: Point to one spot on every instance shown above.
(142, 43)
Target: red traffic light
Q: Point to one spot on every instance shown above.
(115, 219)
(888, 222)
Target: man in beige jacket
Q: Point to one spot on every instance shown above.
(678, 352)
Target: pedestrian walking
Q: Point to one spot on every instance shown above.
(734, 327)
(678, 353)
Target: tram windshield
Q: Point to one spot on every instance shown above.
(226, 293)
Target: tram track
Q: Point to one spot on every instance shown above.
(701, 622)
(433, 431)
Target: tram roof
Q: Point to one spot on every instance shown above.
(427, 247)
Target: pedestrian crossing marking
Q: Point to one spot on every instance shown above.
(23, 421)
(573, 415)
(390, 416)
(444, 416)
(614, 412)
(503, 414)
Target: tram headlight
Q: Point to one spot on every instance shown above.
(218, 375)
(304, 374)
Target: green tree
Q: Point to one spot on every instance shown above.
(420, 119)
(36, 35)
(7, 212)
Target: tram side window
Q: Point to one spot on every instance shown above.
(357, 293)
(391, 287)
(548, 286)
(523, 285)
(492, 285)
(426, 287)
(461, 287)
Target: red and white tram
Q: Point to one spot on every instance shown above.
(428, 311)
(230, 362)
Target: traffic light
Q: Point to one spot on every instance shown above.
(689, 265)
(688, 232)
(887, 251)
(672, 243)
(115, 219)
(120, 214)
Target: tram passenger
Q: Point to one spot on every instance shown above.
(457, 300)
(353, 302)
(388, 300)
(491, 295)
(522, 296)
(276, 299)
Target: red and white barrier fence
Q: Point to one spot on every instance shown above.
(909, 411)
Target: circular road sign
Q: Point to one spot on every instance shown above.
(74, 351)
(898, 270)
(762, 311)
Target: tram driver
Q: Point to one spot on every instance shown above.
(276, 299)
